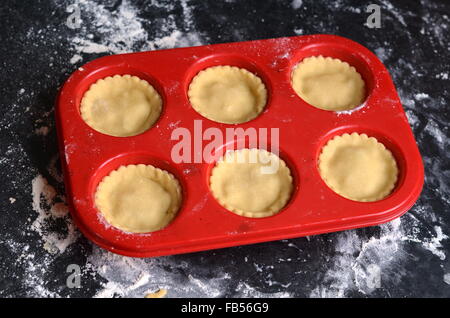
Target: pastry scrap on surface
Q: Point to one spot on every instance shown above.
(358, 167)
(251, 182)
(161, 293)
(121, 106)
(138, 198)
(328, 83)
(227, 94)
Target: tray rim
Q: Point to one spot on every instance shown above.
(196, 246)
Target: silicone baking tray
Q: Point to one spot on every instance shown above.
(202, 224)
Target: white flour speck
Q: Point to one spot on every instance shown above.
(421, 96)
(296, 4)
(75, 59)
(350, 111)
(412, 118)
(433, 129)
(447, 278)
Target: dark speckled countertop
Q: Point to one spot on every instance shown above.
(38, 240)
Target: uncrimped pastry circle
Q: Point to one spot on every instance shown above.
(138, 198)
(358, 167)
(240, 186)
(227, 94)
(328, 83)
(121, 106)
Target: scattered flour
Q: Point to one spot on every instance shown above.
(434, 244)
(123, 31)
(349, 272)
(442, 75)
(433, 129)
(246, 291)
(412, 118)
(34, 269)
(75, 59)
(393, 11)
(357, 261)
(134, 277)
(350, 111)
(383, 53)
(421, 96)
(447, 278)
(50, 206)
(365, 270)
(296, 4)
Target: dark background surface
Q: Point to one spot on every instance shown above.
(38, 240)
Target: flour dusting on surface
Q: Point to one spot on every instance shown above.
(296, 4)
(356, 257)
(51, 207)
(133, 277)
(348, 263)
(359, 261)
(123, 31)
(447, 279)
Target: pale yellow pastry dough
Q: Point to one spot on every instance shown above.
(138, 198)
(358, 167)
(328, 83)
(161, 293)
(227, 94)
(244, 182)
(121, 106)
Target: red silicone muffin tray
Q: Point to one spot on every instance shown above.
(202, 223)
